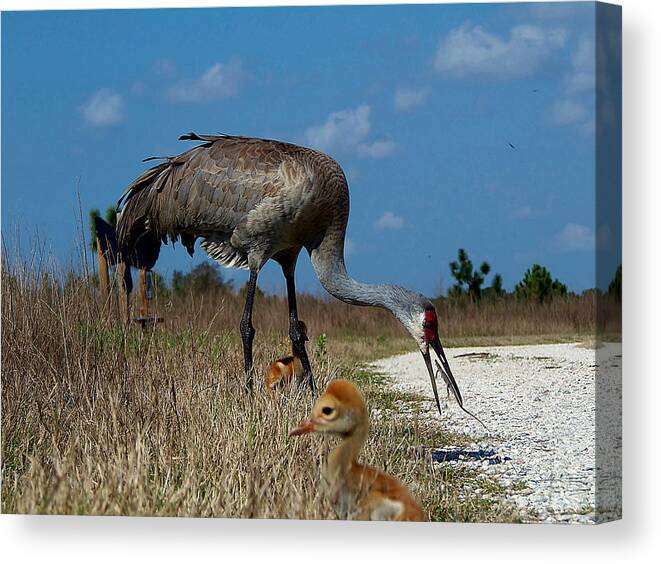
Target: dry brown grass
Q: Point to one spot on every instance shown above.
(101, 420)
(508, 321)
(505, 321)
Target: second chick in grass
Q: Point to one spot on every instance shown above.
(286, 369)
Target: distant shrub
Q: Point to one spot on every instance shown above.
(205, 277)
(538, 284)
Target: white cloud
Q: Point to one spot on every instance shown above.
(470, 50)
(567, 111)
(348, 131)
(104, 108)
(408, 98)
(346, 127)
(574, 237)
(389, 221)
(582, 76)
(376, 150)
(221, 80)
(571, 109)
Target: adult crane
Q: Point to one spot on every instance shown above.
(250, 200)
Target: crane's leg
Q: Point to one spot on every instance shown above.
(295, 333)
(247, 330)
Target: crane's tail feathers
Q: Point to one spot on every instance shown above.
(138, 245)
(147, 178)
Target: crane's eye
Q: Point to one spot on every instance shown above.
(327, 410)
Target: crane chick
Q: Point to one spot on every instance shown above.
(356, 490)
(284, 370)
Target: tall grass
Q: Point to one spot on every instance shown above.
(102, 418)
(98, 418)
(511, 320)
(490, 321)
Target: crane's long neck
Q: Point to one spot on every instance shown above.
(328, 262)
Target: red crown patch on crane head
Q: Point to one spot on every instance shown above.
(430, 325)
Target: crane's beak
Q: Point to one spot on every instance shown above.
(445, 372)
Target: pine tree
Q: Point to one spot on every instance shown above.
(538, 284)
(469, 281)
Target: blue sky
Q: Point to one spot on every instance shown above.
(419, 104)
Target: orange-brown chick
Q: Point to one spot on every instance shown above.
(357, 491)
(284, 370)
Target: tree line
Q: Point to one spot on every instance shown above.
(537, 283)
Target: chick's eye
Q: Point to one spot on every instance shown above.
(327, 410)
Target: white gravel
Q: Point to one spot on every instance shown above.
(539, 404)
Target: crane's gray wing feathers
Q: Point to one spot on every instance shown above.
(226, 191)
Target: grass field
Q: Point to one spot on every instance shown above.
(106, 420)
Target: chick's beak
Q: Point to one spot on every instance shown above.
(303, 428)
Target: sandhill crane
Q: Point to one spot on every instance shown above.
(251, 200)
(286, 369)
(355, 488)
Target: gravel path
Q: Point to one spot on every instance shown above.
(539, 404)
